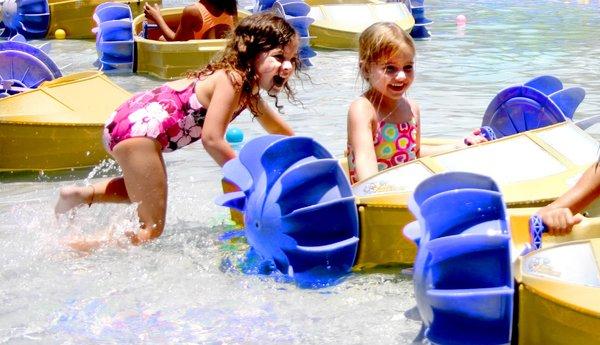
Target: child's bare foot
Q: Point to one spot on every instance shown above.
(73, 196)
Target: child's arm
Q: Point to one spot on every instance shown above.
(270, 120)
(224, 101)
(558, 216)
(360, 138)
(190, 20)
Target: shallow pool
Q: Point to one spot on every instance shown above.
(176, 289)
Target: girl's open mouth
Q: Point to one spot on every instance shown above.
(278, 81)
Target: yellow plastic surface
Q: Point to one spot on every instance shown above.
(58, 125)
(75, 16)
(555, 311)
(334, 29)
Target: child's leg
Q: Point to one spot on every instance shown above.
(112, 190)
(145, 179)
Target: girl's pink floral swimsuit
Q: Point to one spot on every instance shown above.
(173, 118)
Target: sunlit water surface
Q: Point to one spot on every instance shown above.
(175, 290)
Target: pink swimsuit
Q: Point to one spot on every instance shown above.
(395, 143)
(173, 118)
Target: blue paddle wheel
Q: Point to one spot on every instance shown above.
(23, 66)
(463, 276)
(296, 13)
(114, 36)
(29, 18)
(417, 9)
(540, 102)
(300, 214)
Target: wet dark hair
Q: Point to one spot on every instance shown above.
(253, 36)
(229, 6)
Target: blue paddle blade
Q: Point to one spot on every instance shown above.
(540, 102)
(30, 18)
(463, 272)
(235, 172)
(568, 100)
(299, 210)
(114, 37)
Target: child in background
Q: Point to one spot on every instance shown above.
(384, 127)
(261, 54)
(561, 215)
(206, 19)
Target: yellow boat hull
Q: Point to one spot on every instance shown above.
(559, 295)
(58, 125)
(170, 60)
(382, 200)
(75, 16)
(337, 26)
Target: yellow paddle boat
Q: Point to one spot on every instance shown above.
(57, 125)
(60, 18)
(337, 26)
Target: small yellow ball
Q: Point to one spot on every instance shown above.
(60, 34)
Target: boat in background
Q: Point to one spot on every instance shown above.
(41, 18)
(59, 124)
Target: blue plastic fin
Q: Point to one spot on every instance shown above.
(281, 155)
(235, 172)
(546, 84)
(568, 100)
(316, 181)
(453, 212)
(412, 231)
(235, 200)
(295, 8)
(18, 38)
(250, 153)
(445, 247)
(304, 224)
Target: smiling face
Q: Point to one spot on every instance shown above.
(391, 77)
(276, 66)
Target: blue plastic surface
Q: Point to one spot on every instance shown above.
(463, 273)
(114, 36)
(29, 18)
(419, 30)
(296, 13)
(23, 66)
(299, 210)
(540, 102)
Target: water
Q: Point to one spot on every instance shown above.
(174, 291)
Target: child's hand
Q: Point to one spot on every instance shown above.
(476, 137)
(152, 12)
(559, 221)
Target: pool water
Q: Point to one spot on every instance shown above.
(177, 290)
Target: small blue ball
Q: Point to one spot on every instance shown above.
(234, 135)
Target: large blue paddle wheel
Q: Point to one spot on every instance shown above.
(540, 102)
(300, 214)
(463, 273)
(30, 18)
(296, 13)
(114, 37)
(23, 66)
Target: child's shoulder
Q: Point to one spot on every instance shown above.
(362, 106)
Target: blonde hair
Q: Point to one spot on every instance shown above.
(381, 41)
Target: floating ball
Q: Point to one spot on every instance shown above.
(234, 135)
(461, 20)
(60, 34)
